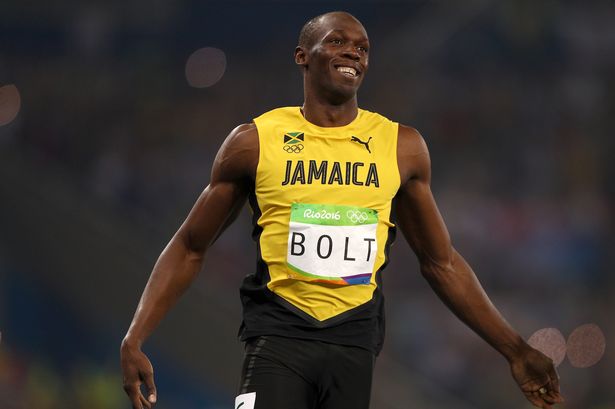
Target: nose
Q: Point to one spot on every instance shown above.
(351, 52)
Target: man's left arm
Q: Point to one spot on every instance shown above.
(452, 278)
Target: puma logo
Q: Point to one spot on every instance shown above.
(240, 405)
(356, 139)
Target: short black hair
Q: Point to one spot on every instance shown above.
(306, 35)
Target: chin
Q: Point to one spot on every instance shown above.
(341, 93)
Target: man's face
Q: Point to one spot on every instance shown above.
(338, 58)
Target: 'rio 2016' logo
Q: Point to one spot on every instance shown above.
(321, 214)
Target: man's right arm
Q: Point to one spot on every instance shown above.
(232, 176)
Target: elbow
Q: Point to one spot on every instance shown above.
(438, 268)
(190, 244)
(436, 272)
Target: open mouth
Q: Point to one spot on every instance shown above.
(347, 71)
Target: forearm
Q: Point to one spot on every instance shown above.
(174, 271)
(458, 287)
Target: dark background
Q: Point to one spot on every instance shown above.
(110, 146)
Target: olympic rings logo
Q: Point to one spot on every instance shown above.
(293, 148)
(356, 216)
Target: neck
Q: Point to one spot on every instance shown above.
(323, 112)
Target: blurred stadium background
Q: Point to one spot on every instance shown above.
(111, 114)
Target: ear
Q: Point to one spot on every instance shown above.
(300, 56)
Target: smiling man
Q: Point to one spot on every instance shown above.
(322, 180)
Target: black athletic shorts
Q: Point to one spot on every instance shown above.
(292, 373)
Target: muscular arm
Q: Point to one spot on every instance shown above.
(232, 175)
(448, 273)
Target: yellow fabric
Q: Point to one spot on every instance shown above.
(362, 180)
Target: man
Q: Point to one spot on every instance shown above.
(322, 181)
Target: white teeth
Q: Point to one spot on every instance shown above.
(347, 70)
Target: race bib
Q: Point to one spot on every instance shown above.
(332, 243)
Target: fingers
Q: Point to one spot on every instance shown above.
(553, 387)
(138, 371)
(148, 380)
(536, 400)
(550, 388)
(136, 403)
(536, 374)
(136, 398)
(134, 393)
(144, 402)
(549, 398)
(544, 400)
(553, 395)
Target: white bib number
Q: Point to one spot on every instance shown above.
(332, 243)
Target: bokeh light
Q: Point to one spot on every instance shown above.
(205, 67)
(550, 342)
(586, 346)
(10, 102)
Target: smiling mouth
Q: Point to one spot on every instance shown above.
(348, 71)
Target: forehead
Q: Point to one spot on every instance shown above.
(340, 23)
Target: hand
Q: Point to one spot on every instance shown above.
(137, 370)
(537, 378)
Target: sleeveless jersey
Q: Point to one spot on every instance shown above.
(321, 213)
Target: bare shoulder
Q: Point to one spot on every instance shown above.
(412, 155)
(410, 142)
(243, 136)
(238, 155)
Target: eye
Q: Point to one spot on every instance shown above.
(363, 49)
(336, 41)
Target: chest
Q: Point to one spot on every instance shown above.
(344, 167)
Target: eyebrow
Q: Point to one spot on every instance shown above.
(337, 30)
